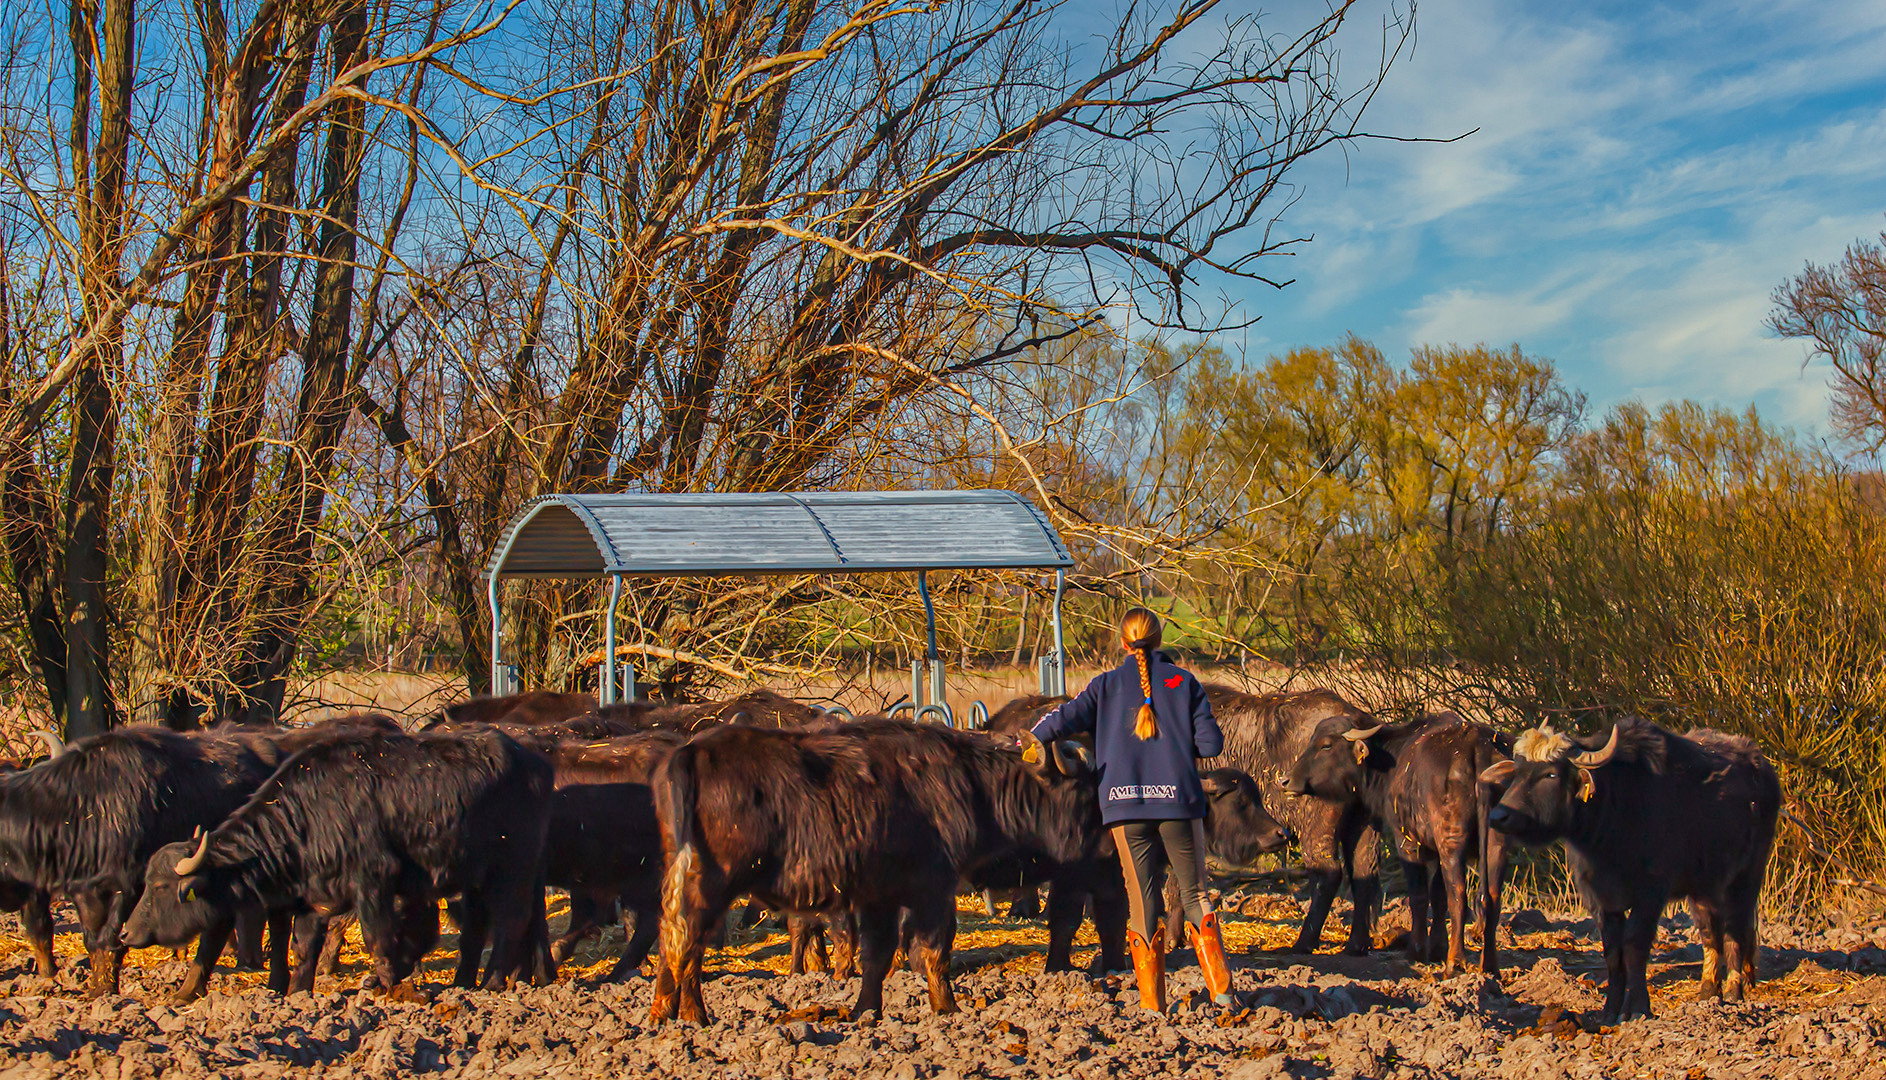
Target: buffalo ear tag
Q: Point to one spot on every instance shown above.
(1585, 785)
(1360, 748)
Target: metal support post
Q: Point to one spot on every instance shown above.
(607, 694)
(1060, 647)
(497, 633)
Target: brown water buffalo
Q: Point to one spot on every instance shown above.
(1420, 783)
(872, 820)
(1647, 816)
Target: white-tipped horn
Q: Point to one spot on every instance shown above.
(1499, 772)
(193, 862)
(1591, 759)
(1359, 734)
(55, 746)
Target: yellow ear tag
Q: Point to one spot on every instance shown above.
(1585, 785)
(1360, 748)
(1032, 752)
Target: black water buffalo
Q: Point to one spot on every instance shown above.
(1420, 782)
(34, 905)
(84, 825)
(383, 826)
(1647, 817)
(604, 840)
(1265, 734)
(870, 819)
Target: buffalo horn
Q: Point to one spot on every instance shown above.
(1060, 763)
(1359, 734)
(1591, 759)
(193, 862)
(54, 744)
(1499, 772)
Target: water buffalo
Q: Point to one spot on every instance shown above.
(383, 826)
(1647, 816)
(1420, 783)
(870, 819)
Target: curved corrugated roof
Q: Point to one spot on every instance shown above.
(830, 532)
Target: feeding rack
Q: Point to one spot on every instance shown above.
(815, 532)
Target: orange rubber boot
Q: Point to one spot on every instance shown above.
(1210, 947)
(1149, 969)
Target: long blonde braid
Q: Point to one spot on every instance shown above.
(1140, 631)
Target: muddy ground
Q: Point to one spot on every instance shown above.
(1821, 1011)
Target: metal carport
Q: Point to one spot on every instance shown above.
(821, 532)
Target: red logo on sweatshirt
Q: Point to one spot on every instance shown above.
(1173, 683)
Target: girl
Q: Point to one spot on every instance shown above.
(1151, 721)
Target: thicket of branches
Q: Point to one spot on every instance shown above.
(302, 298)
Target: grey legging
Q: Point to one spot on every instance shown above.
(1146, 849)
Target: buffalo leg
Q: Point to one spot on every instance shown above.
(381, 925)
(329, 961)
(1454, 875)
(279, 923)
(474, 926)
(877, 948)
(102, 922)
(1110, 918)
(1360, 859)
(646, 911)
(1492, 885)
(311, 933)
(250, 921)
(1709, 925)
(843, 927)
(1741, 945)
(36, 922)
(1323, 886)
(1066, 907)
(932, 927)
(1640, 933)
(1611, 931)
(209, 948)
(692, 905)
(1415, 873)
(1437, 913)
(418, 933)
(807, 933)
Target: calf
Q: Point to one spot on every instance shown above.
(1265, 734)
(1420, 783)
(382, 826)
(1647, 817)
(867, 819)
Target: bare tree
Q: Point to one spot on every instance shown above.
(1841, 310)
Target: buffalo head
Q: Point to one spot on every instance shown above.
(1539, 799)
(1237, 826)
(182, 897)
(1340, 753)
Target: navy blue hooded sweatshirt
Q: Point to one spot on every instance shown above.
(1156, 779)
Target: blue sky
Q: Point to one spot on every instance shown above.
(1642, 178)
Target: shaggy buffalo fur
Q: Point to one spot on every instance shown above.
(1420, 783)
(383, 826)
(867, 819)
(85, 823)
(1666, 817)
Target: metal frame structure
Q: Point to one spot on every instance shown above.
(824, 532)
